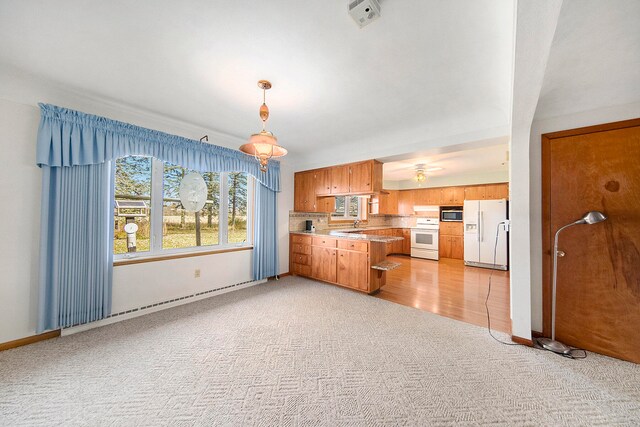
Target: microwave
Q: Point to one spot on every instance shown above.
(451, 215)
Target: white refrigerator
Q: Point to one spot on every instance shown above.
(482, 220)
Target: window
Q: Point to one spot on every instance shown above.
(163, 225)
(348, 208)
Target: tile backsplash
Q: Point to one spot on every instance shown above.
(321, 221)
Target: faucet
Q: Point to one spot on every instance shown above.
(356, 223)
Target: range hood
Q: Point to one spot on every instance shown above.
(426, 208)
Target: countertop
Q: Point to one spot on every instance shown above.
(353, 234)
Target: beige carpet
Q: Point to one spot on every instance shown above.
(298, 352)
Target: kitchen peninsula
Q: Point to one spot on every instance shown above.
(349, 259)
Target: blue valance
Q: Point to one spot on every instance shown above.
(72, 138)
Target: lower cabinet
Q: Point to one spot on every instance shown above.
(323, 263)
(346, 262)
(353, 269)
(406, 242)
(451, 247)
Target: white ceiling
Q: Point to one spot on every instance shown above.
(439, 67)
(467, 162)
(595, 58)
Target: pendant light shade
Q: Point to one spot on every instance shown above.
(264, 145)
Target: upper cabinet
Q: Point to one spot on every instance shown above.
(452, 196)
(497, 191)
(385, 203)
(314, 189)
(339, 179)
(406, 202)
(356, 178)
(474, 192)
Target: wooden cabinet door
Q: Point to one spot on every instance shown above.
(457, 247)
(391, 207)
(420, 196)
(457, 198)
(406, 243)
(497, 191)
(322, 181)
(397, 245)
(433, 196)
(405, 202)
(304, 196)
(446, 196)
(323, 263)
(340, 179)
(445, 246)
(474, 192)
(360, 177)
(353, 269)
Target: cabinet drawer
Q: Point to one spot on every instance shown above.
(301, 259)
(353, 245)
(325, 242)
(301, 270)
(305, 240)
(299, 248)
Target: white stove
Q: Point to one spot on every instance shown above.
(425, 238)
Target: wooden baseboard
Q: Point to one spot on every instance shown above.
(29, 340)
(523, 341)
(536, 334)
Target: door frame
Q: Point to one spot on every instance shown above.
(547, 233)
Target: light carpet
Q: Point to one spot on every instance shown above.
(299, 352)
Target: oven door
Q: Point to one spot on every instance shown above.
(424, 239)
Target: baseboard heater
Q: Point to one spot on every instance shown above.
(135, 312)
(146, 307)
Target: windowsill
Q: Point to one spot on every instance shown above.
(154, 258)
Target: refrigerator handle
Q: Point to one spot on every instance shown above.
(481, 225)
(478, 225)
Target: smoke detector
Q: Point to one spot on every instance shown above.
(364, 11)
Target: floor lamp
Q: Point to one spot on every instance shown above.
(551, 344)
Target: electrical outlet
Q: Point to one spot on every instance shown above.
(197, 273)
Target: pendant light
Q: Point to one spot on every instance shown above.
(264, 145)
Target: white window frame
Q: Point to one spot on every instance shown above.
(347, 204)
(157, 195)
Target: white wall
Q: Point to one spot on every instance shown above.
(20, 189)
(20, 183)
(448, 181)
(587, 118)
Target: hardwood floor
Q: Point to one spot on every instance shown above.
(449, 288)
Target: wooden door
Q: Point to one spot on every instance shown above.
(340, 179)
(497, 191)
(323, 263)
(421, 196)
(405, 202)
(598, 286)
(446, 196)
(474, 192)
(353, 269)
(360, 177)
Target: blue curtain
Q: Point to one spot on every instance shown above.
(69, 138)
(265, 250)
(76, 152)
(76, 252)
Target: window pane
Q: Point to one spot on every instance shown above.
(354, 206)
(237, 182)
(132, 202)
(340, 203)
(181, 229)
